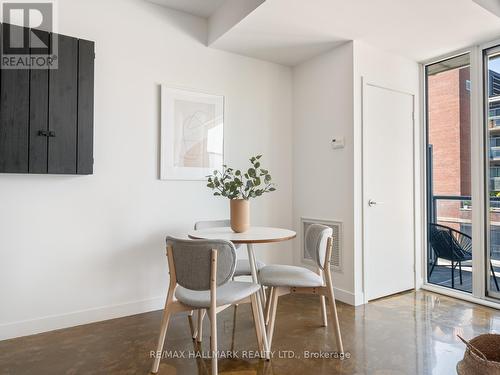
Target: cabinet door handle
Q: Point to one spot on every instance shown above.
(52, 133)
(43, 133)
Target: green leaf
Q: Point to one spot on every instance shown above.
(235, 183)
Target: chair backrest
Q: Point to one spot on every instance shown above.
(213, 224)
(316, 241)
(193, 258)
(445, 245)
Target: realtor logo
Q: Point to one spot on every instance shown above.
(27, 41)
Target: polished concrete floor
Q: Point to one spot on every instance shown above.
(412, 333)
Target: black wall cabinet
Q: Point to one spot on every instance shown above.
(46, 115)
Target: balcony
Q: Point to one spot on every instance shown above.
(495, 155)
(453, 215)
(495, 185)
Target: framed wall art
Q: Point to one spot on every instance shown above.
(192, 134)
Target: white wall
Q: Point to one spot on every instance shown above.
(327, 98)
(385, 69)
(79, 249)
(323, 177)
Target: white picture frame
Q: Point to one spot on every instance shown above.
(192, 134)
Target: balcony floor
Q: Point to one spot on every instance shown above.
(442, 276)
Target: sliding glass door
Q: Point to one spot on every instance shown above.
(491, 72)
(462, 168)
(449, 189)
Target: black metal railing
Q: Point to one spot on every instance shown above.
(494, 203)
(436, 198)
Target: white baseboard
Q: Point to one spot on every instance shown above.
(347, 297)
(76, 318)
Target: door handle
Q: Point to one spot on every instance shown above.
(372, 203)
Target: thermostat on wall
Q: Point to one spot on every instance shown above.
(338, 143)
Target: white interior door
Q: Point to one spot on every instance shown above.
(388, 191)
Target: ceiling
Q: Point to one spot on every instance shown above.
(291, 31)
(491, 5)
(200, 8)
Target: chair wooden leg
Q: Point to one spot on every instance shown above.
(270, 327)
(195, 328)
(201, 315)
(256, 320)
(195, 333)
(268, 305)
(213, 312)
(161, 340)
(323, 311)
(195, 325)
(263, 295)
(335, 317)
(233, 335)
(213, 339)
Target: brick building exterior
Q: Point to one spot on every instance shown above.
(449, 135)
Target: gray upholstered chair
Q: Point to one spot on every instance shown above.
(291, 279)
(242, 269)
(201, 277)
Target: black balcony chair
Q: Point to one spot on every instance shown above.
(454, 246)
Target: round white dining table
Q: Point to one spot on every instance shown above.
(251, 236)
(254, 235)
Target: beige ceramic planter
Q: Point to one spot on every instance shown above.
(240, 215)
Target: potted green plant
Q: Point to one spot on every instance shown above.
(239, 187)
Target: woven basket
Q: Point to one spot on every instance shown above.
(482, 356)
